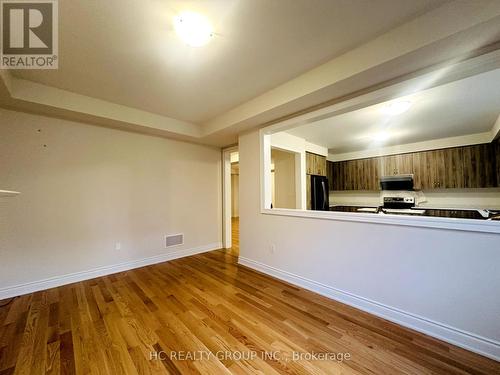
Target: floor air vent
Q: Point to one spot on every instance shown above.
(174, 240)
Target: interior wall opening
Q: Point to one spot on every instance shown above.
(230, 162)
(414, 153)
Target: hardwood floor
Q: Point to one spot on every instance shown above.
(207, 302)
(235, 237)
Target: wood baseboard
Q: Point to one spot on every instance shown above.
(467, 340)
(35, 286)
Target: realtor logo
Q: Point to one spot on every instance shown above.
(29, 34)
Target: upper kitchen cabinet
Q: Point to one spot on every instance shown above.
(475, 166)
(425, 170)
(354, 182)
(341, 175)
(395, 164)
(453, 160)
(361, 174)
(480, 166)
(333, 175)
(315, 164)
(367, 175)
(438, 169)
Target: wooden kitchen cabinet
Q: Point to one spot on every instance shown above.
(421, 180)
(309, 163)
(329, 174)
(315, 164)
(480, 166)
(453, 168)
(395, 164)
(428, 169)
(387, 165)
(343, 175)
(348, 175)
(350, 170)
(439, 169)
(368, 176)
(476, 166)
(320, 165)
(356, 174)
(359, 174)
(336, 175)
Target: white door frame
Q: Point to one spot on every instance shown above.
(226, 196)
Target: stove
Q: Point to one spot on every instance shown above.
(397, 192)
(402, 201)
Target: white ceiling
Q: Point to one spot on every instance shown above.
(125, 51)
(467, 106)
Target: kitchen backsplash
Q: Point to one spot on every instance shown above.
(440, 198)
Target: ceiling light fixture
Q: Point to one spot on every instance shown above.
(380, 137)
(396, 108)
(193, 28)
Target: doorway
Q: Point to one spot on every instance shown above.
(283, 178)
(235, 213)
(231, 200)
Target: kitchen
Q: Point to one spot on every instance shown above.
(432, 153)
(454, 182)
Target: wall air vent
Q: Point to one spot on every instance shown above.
(174, 240)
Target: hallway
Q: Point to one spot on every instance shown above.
(235, 235)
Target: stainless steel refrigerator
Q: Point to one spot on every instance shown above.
(319, 193)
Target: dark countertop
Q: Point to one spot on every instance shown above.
(429, 212)
(346, 208)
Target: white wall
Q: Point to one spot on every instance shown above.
(293, 143)
(488, 198)
(91, 187)
(443, 282)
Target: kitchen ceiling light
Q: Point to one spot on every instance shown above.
(396, 108)
(193, 28)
